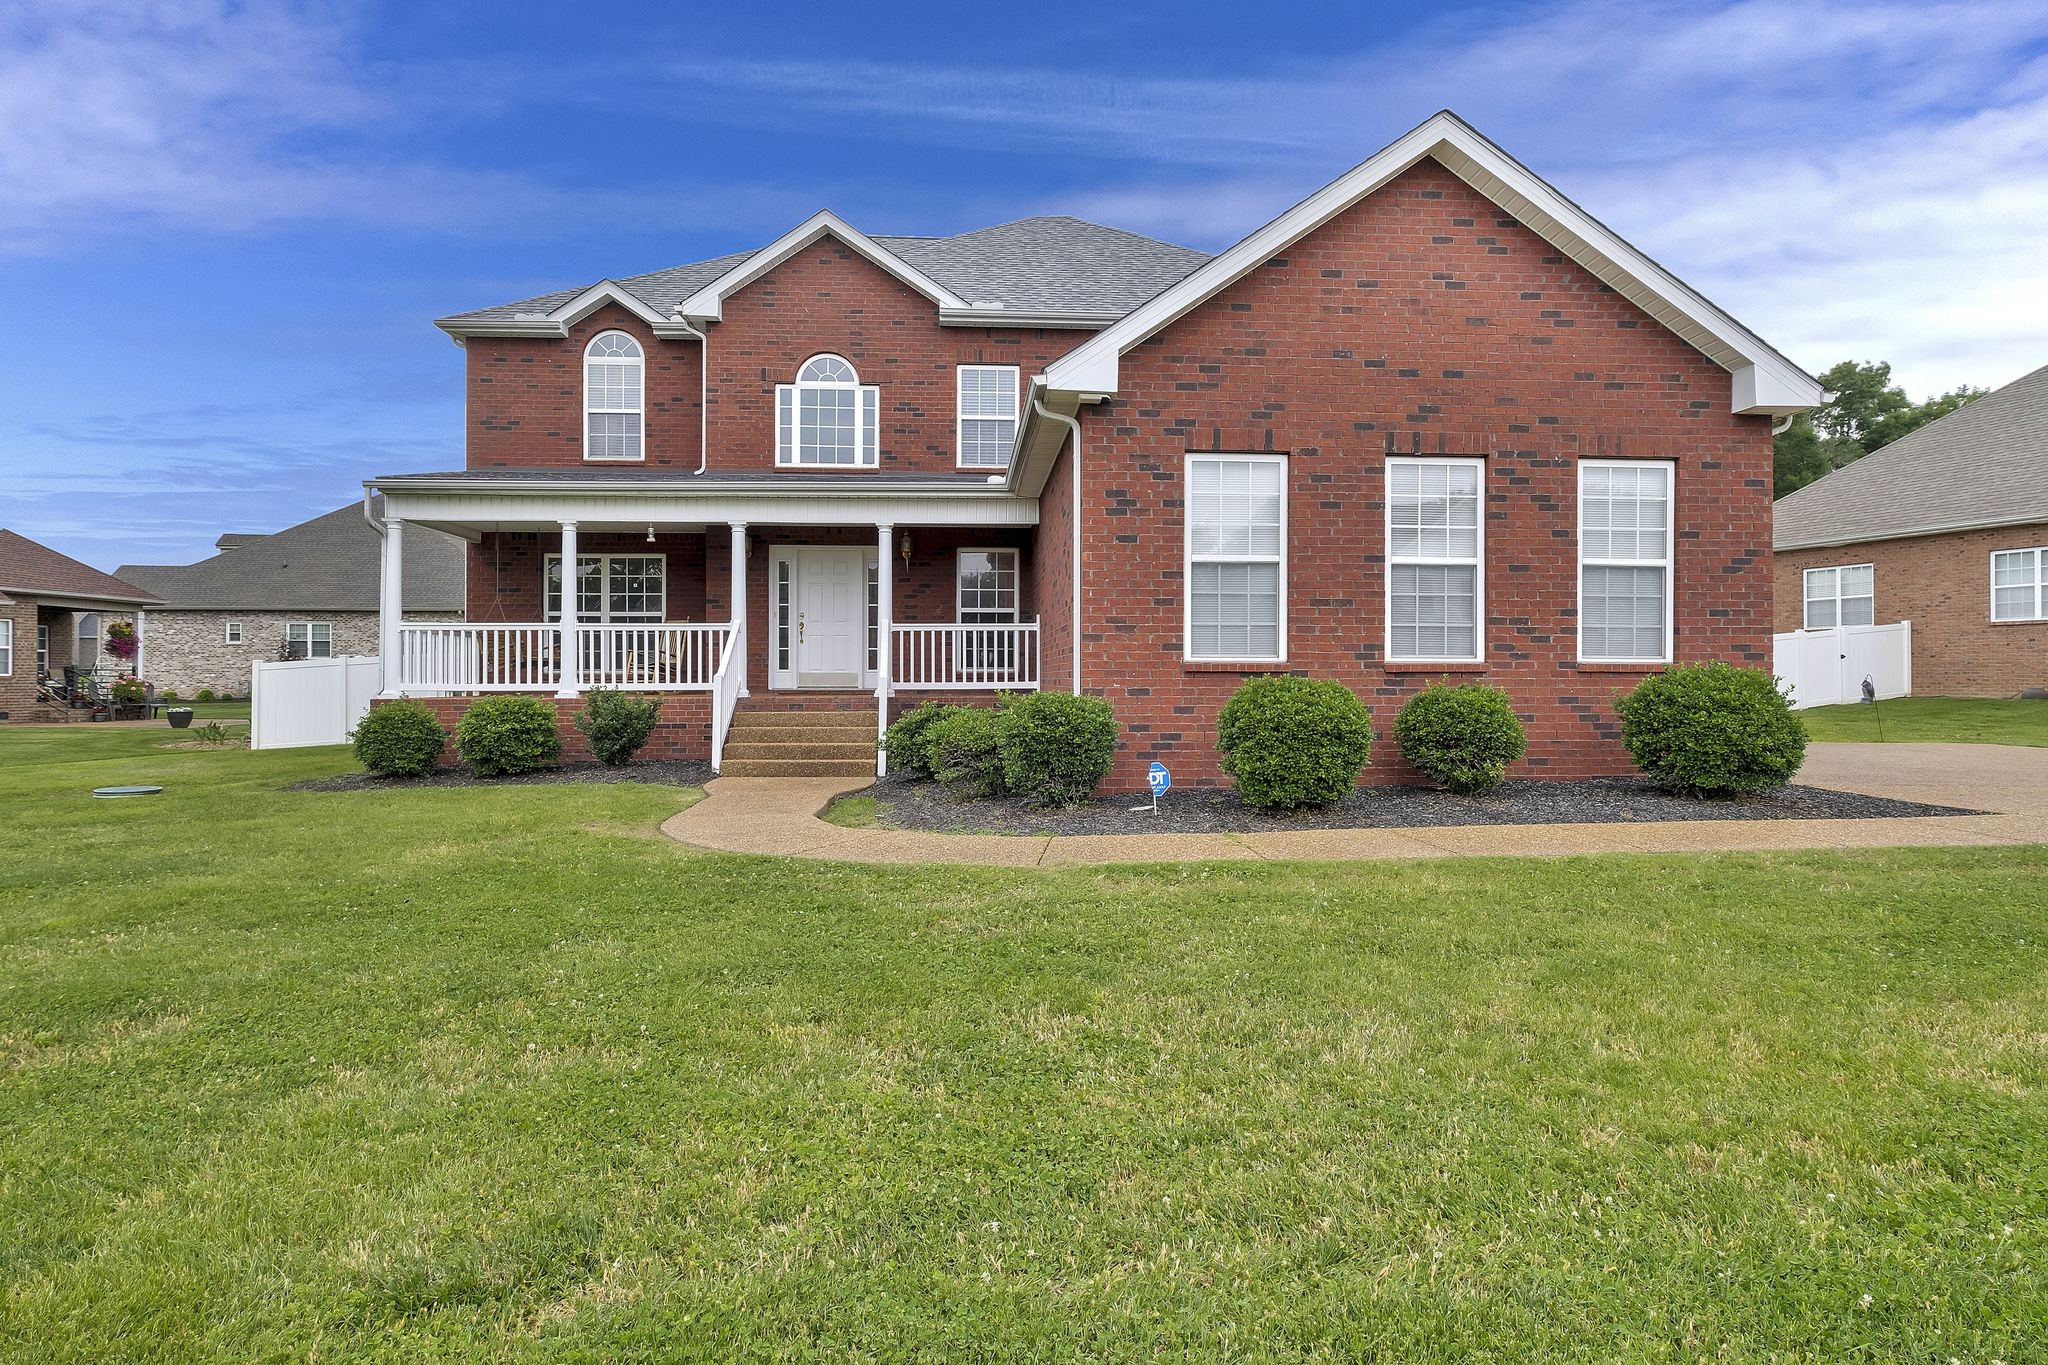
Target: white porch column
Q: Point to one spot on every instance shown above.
(885, 597)
(739, 593)
(391, 605)
(571, 666)
(141, 646)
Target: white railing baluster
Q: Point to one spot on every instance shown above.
(964, 657)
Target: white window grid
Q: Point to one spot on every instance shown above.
(1840, 595)
(827, 417)
(2019, 584)
(987, 405)
(614, 398)
(1626, 556)
(610, 589)
(1234, 559)
(231, 632)
(316, 636)
(1436, 565)
(6, 647)
(987, 587)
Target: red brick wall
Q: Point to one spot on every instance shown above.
(1942, 584)
(506, 568)
(18, 688)
(1052, 581)
(1423, 320)
(526, 394)
(683, 730)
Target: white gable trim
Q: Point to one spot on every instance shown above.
(557, 321)
(708, 303)
(1764, 382)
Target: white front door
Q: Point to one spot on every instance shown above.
(827, 617)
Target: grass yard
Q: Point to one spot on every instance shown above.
(501, 1074)
(1933, 720)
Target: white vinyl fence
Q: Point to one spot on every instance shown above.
(1824, 667)
(309, 701)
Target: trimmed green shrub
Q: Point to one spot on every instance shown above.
(967, 748)
(169, 695)
(499, 736)
(399, 739)
(1293, 742)
(204, 694)
(1057, 747)
(617, 724)
(1463, 737)
(1712, 730)
(908, 742)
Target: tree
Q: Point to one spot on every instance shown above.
(1867, 412)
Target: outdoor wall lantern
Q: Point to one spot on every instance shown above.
(905, 550)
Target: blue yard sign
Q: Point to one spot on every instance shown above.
(1158, 778)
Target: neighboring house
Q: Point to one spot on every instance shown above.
(1432, 421)
(1946, 527)
(54, 613)
(309, 590)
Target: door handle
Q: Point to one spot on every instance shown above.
(799, 627)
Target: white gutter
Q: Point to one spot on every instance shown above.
(1074, 625)
(703, 390)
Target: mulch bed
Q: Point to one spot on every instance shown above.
(907, 804)
(664, 772)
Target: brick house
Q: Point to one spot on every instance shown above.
(54, 614)
(1433, 420)
(1946, 527)
(310, 589)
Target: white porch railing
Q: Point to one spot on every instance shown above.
(725, 692)
(961, 657)
(527, 657)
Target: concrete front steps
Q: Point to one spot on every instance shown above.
(823, 743)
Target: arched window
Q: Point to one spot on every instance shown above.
(828, 417)
(87, 653)
(613, 402)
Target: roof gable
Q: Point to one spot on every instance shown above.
(708, 303)
(1985, 464)
(1764, 382)
(35, 570)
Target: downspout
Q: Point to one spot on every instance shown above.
(1779, 428)
(1074, 625)
(703, 389)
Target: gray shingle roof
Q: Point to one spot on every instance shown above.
(30, 567)
(1051, 264)
(330, 563)
(1985, 464)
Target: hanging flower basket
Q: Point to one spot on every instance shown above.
(121, 641)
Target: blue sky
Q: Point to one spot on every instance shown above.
(225, 228)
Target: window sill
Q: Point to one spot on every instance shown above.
(1443, 666)
(1584, 666)
(2036, 621)
(1248, 666)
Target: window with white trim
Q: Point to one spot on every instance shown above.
(1435, 572)
(611, 589)
(988, 415)
(6, 647)
(614, 398)
(86, 654)
(42, 649)
(1236, 557)
(231, 632)
(987, 587)
(2019, 584)
(1624, 561)
(828, 417)
(310, 639)
(1841, 596)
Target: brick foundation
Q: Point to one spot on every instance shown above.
(682, 731)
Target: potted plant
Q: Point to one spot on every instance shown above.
(179, 716)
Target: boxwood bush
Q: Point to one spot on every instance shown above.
(1057, 747)
(499, 736)
(1293, 742)
(908, 742)
(967, 748)
(399, 739)
(1712, 730)
(617, 724)
(1463, 737)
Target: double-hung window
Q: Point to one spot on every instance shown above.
(988, 415)
(310, 639)
(42, 649)
(2019, 585)
(614, 398)
(1842, 596)
(612, 589)
(6, 647)
(86, 650)
(231, 632)
(1236, 558)
(988, 587)
(1624, 561)
(1435, 569)
(828, 417)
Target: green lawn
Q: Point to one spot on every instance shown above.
(1928, 720)
(501, 1074)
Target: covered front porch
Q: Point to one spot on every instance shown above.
(786, 607)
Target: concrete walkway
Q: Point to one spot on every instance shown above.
(780, 816)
